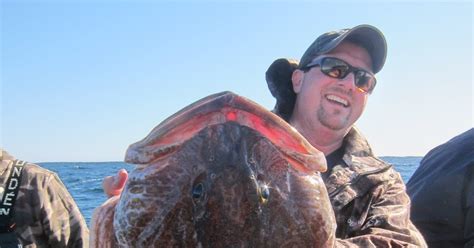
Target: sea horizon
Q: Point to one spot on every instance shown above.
(121, 161)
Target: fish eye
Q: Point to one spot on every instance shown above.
(198, 191)
(264, 193)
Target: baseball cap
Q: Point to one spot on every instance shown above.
(367, 36)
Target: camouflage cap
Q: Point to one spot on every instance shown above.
(278, 75)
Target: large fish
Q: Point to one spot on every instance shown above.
(222, 172)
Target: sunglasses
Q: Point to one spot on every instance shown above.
(337, 68)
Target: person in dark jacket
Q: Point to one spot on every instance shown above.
(442, 193)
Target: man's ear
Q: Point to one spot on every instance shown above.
(297, 80)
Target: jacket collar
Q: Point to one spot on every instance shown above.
(356, 144)
(360, 171)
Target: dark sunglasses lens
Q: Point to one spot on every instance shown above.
(334, 68)
(364, 81)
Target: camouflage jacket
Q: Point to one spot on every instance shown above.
(45, 213)
(369, 200)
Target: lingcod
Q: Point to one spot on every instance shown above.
(222, 172)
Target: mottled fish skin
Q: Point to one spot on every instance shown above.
(223, 172)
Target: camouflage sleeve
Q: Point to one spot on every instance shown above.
(388, 221)
(61, 217)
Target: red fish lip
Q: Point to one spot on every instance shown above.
(220, 108)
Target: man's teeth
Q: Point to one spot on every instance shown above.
(337, 99)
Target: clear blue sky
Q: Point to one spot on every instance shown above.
(81, 81)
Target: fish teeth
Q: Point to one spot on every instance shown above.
(337, 99)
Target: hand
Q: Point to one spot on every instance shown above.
(113, 185)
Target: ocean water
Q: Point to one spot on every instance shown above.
(84, 180)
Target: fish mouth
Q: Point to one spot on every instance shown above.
(337, 100)
(220, 108)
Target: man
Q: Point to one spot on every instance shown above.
(322, 97)
(442, 193)
(45, 214)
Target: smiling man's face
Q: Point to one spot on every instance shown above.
(330, 103)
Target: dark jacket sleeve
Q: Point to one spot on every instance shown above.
(469, 209)
(385, 219)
